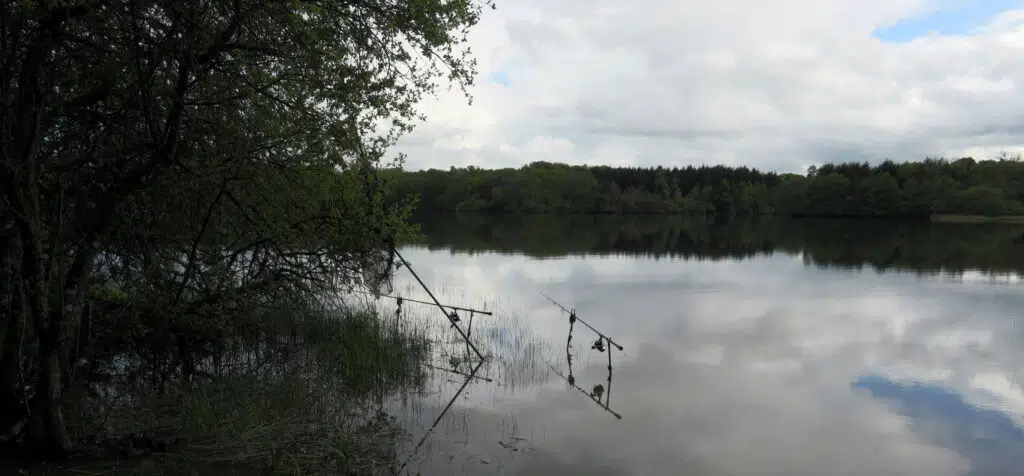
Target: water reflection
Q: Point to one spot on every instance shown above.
(468, 378)
(845, 244)
(752, 366)
(990, 439)
(598, 394)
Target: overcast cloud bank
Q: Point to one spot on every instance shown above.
(775, 85)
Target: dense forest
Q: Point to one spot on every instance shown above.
(889, 189)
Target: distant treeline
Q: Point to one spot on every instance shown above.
(910, 189)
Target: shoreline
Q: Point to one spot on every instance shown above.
(952, 218)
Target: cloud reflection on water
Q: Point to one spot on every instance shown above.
(734, 367)
(989, 438)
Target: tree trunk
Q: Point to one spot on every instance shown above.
(10, 361)
(13, 415)
(58, 347)
(14, 332)
(57, 440)
(54, 318)
(14, 338)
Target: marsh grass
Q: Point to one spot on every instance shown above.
(515, 354)
(294, 392)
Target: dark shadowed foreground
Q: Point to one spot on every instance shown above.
(171, 171)
(298, 393)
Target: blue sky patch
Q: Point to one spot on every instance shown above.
(499, 77)
(989, 439)
(955, 18)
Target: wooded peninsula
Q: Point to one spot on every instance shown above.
(888, 190)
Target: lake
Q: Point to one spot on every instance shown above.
(749, 348)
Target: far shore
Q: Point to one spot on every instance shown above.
(972, 219)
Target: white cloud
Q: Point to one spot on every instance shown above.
(777, 85)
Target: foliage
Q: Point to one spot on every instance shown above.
(912, 189)
(169, 168)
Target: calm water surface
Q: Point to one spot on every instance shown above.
(815, 348)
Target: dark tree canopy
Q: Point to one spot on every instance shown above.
(911, 189)
(191, 156)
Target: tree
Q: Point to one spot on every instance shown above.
(910, 189)
(111, 109)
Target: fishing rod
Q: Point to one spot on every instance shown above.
(474, 376)
(572, 315)
(456, 308)
(451, 317)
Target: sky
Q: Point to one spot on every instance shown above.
(775, 85)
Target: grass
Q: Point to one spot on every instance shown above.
(975, 219)
(296, 392)
(295, 389)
